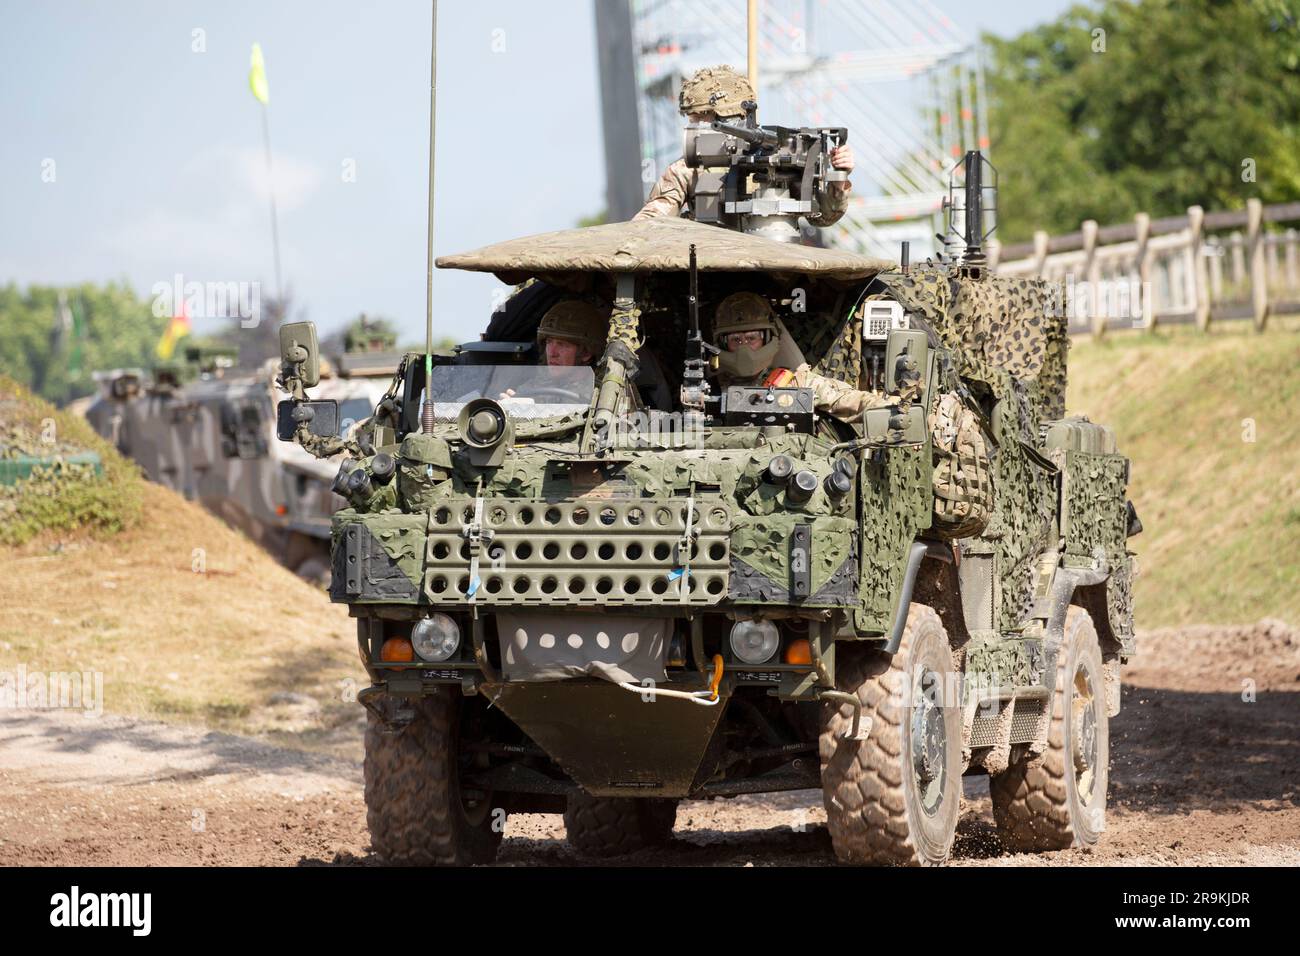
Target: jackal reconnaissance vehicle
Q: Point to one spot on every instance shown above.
(603, 591)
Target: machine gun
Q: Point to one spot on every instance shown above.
(696, 394)
(788, 167)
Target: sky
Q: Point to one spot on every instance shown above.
(131, 147)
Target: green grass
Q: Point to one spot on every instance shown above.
(63, 500)
(1221, 512)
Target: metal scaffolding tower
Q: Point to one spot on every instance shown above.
(899, 74)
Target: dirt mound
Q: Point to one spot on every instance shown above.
(1218, 658)
(187, 620)
(1209, 423)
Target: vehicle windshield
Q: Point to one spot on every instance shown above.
(525, 391)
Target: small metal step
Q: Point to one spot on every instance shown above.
(1024, 721)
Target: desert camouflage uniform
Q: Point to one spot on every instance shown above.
(677, 185)
(832, 397)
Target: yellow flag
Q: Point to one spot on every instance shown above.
(257, 76)
(177, 329)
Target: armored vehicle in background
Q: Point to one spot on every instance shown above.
(603, 591)
(209, 435)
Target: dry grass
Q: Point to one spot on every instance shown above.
(1221, 513)
(221, 648)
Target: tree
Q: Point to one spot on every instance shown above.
(1150, 106)
(54, 338)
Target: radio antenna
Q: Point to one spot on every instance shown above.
(426, 412)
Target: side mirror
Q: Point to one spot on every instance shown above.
(322, 417)
(898, 425)
(298, 347)
(486, 430)
(906, 356)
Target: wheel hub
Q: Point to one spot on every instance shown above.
(1086, 748)
(929, 743)
(1084, 740)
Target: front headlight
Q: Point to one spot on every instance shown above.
(754, 642)
(435, 638)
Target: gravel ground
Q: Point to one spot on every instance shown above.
(1200, 775)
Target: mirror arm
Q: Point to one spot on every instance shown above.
(321, 447)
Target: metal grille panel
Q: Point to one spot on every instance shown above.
(584, 551)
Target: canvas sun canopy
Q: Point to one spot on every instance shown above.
(657, 245)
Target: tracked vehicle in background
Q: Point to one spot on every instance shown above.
(203, 431)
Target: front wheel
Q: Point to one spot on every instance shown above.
(894, 798)
(615, 826)
(415, 809)
(1058, 799)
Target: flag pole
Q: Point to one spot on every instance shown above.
(262, 93)
(275, 224)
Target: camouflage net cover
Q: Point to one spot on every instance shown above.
(1004, 328)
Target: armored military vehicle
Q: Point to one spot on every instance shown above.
(197, 428)
(600, 592)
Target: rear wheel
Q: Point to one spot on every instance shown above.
(315, 571)
(894, 798)
(1058, 799)
(615, 826)
(415, 809)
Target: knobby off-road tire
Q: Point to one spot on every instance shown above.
(413, 799)
(315, 571)
(614, 826)
(894, 798)
(1058, 799)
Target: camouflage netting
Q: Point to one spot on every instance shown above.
(843, 360)
(1003, 328)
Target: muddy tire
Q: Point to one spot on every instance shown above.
(894, 798)
(614, 826)
(414, 807)
(1058, 799)
(315, 571)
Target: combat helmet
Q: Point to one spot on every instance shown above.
(574, 320)
(716, 89)
(745, 312)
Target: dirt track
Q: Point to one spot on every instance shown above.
(1199, 776)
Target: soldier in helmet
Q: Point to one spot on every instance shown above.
(745, 329)
(572, 332)
(717, 93)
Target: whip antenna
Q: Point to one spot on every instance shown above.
(426, 412)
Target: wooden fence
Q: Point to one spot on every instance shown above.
(1199, 268)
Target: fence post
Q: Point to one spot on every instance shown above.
(1200, 285)
(1274, 269)
(1290, 263)
(1092, 274)
(1216, 273)
(1040, 252)
(1238, 263)
(1143, 223)
(1255, 248)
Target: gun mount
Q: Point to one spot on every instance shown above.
(761, 179)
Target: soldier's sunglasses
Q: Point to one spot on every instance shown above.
(735, 340)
